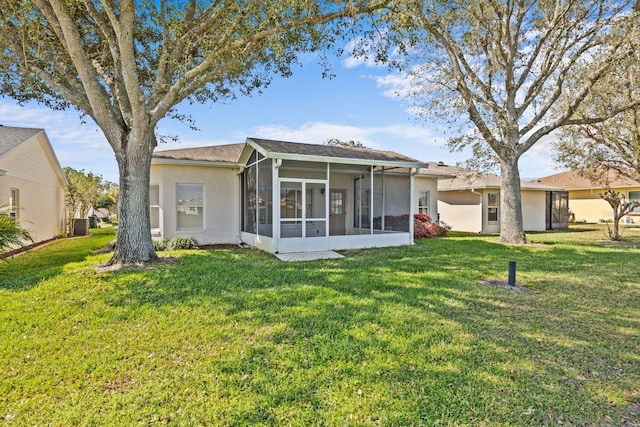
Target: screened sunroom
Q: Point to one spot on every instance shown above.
(302, 197)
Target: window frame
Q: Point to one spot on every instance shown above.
(424, 208)
(202, 206)
(154, 206)
(493, 207)
(635, 193)
(14, 203)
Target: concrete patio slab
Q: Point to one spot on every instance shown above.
(308, 256)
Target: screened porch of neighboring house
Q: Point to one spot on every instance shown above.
(298, 201)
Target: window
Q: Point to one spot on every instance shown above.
(14, 201)
(336, 203)
(190, 206)
(634, 196)
(154, 206)
(423, 203)
(493, 201)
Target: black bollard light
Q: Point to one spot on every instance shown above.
(512, 273)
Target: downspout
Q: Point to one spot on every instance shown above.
(473, 191)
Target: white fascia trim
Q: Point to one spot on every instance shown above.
(161, 161)
(342, 160)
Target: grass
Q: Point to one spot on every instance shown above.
(396, 336)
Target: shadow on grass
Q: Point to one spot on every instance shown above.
(410, 330)
(31, 267)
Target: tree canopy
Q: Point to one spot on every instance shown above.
(335, 142)
(128, 64)
(496, 73)
(593, 149)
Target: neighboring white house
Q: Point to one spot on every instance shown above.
(289, 197)
(471, 202)
(32, 182)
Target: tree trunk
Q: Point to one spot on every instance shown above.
(511, 223)
(616, 229)
(134, 244)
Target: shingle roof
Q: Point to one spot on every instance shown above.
(11, 137)
(228, 153)
(466, 179)
(570, 180)
(284, 147)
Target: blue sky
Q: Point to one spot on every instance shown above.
(354, 105)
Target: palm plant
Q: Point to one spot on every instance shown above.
(12, 235)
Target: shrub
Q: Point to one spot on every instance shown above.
(160, 245)
(425, 227)
(175, 244)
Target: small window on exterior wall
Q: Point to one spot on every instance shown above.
(493, 201)
(190, 206)
(423, 203)
(635, 196)
(14, 202)
(154, 206)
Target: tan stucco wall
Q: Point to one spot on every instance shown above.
(463, 211)
(41, 194)
(221, 201)
(533, 210)
(588, 206)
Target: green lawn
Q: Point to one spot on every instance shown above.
(401, 336)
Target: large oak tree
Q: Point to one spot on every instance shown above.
(595, 149)
(500, 67)
(127, 64)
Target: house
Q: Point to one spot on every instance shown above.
(32, 181)
(286, 197)
(470, 202)
(584, 195)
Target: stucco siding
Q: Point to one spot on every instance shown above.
(40, 192)
(466, 211)
(588, 206)
(221, 191)
(462, 210)
(533, 210)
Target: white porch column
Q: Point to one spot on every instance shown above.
(275, 197)
(371, 200)
(384, 201)
(412, 173)
(327, 200)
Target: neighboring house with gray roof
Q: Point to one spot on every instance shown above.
(289, 197)
(471, 202)
(584, 195)
(32, 182)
